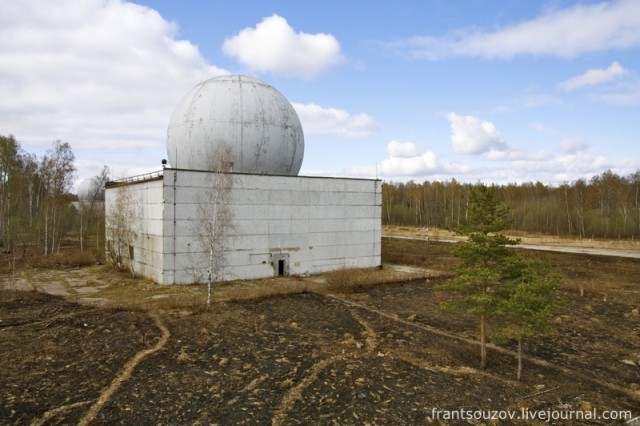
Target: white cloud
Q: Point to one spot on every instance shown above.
(98, 74)
(504, 155)
(594, 76)
(574, 162)
(420, 165)
(274, 46)
(626, 94)
(405, 149)
(408, 159)
(579, 164)
(569, 32)
(405, 159)
(317, 120)
(470, 135)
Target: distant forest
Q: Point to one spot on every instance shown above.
(605, 207)
(35, 198)
(36, 209)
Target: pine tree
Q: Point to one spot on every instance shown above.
(486, 263)
(528, 309)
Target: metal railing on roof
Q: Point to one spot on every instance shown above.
(137, 178)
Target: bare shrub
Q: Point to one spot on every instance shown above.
(52, 261)
(81, 258)
(76, 258)
(130, 306)
(121, 224)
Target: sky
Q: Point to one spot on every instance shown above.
(494, 91)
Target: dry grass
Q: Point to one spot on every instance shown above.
(590, 288)
(239, 291)
(345, 280)
(81, 258)
(147, 295)
(53, 261)
(349, 280)
(122, 291)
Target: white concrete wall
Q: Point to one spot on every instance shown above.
(317, 224)
(147, 225)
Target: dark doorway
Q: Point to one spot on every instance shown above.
(280, 263)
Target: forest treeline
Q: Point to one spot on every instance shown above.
(606, 206)
(36, 209)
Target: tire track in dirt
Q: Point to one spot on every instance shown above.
(414, 324)
(449, 371)
(54, 412)
(295, 393)
(126, 371)
(371, 340)
(533, 360)
(371, 343)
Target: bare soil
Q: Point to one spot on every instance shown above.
(384, 354)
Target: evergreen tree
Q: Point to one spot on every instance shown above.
(486, 266)
(528, 309)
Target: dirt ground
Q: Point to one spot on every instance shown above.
(384, 354)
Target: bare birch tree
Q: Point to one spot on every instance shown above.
(120, 222)
(92, 209)
(214, 222)
(57, 172)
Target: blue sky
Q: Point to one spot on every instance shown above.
(475, 90)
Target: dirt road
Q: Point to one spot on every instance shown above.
(563, 249)
(585, 250)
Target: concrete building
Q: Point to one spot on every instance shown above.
(281, 224)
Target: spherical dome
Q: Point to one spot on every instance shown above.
(241, 115)
(90, 191)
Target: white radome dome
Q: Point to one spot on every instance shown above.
(90, 190)
(255, 121)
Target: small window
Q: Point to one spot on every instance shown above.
(131, 252)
